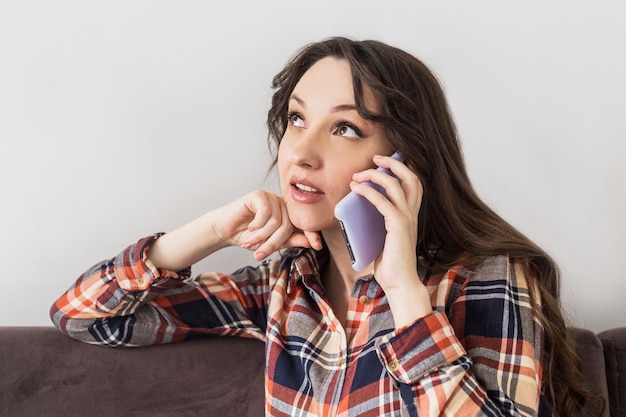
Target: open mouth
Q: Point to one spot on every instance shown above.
(306, 189)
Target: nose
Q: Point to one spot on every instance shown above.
(305, 150)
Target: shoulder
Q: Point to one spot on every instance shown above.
(461, 273)
(494, 299)
(492, 268)
(276, 269)
(497, 286)
(493, 277)
(267, 270)
(506, 270)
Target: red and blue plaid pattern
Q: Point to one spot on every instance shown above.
(478, 353)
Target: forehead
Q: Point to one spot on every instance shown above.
(328, 75)
(330, 80)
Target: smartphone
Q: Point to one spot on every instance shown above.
(362, 224)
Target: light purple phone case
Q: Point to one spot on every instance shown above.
(362, 224)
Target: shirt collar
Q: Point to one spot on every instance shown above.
(304, 264)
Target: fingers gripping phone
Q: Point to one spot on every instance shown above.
(362, 224)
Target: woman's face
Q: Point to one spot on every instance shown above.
(326, 141)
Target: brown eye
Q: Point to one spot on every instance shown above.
(295, 119)
(347, 131)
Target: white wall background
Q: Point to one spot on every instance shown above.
(119, 119)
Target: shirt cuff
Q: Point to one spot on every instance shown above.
(135, 272)
(420, 348)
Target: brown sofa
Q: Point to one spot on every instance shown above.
(43, 373)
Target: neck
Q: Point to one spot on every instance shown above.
(340, 264)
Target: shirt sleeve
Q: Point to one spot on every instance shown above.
(481, 356)
(127, 301)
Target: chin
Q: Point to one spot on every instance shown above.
(311, 222)
(306, 225)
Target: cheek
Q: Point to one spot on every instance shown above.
(281, 166)
(344, 177)
(343, 174)
(341, 179)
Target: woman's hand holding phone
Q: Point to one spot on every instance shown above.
(362, 224)
(395, 268)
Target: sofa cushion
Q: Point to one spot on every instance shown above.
(45, 373)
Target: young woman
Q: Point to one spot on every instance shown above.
(458, 315)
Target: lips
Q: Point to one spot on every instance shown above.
(305, 186)
(303, 191)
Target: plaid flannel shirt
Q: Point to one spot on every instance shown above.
(478, 353)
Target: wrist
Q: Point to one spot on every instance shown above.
(214, 234)
(186, 245)
(409, 303)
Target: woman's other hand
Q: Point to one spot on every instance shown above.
(395, 268)
(259, 221)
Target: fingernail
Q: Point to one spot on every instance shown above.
(260, 256)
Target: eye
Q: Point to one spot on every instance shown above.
(347, 130)
(295, 119)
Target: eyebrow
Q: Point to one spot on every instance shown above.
(338, 108)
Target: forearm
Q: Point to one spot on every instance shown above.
(187, 244)
(127, 301)
(438, 376)
(480, 348)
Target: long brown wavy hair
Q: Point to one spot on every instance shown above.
(415, 115)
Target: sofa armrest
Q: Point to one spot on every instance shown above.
(46, 373)
(591, 353)
(614, 342)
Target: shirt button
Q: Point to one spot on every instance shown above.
(364, 299)
(394, 365)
